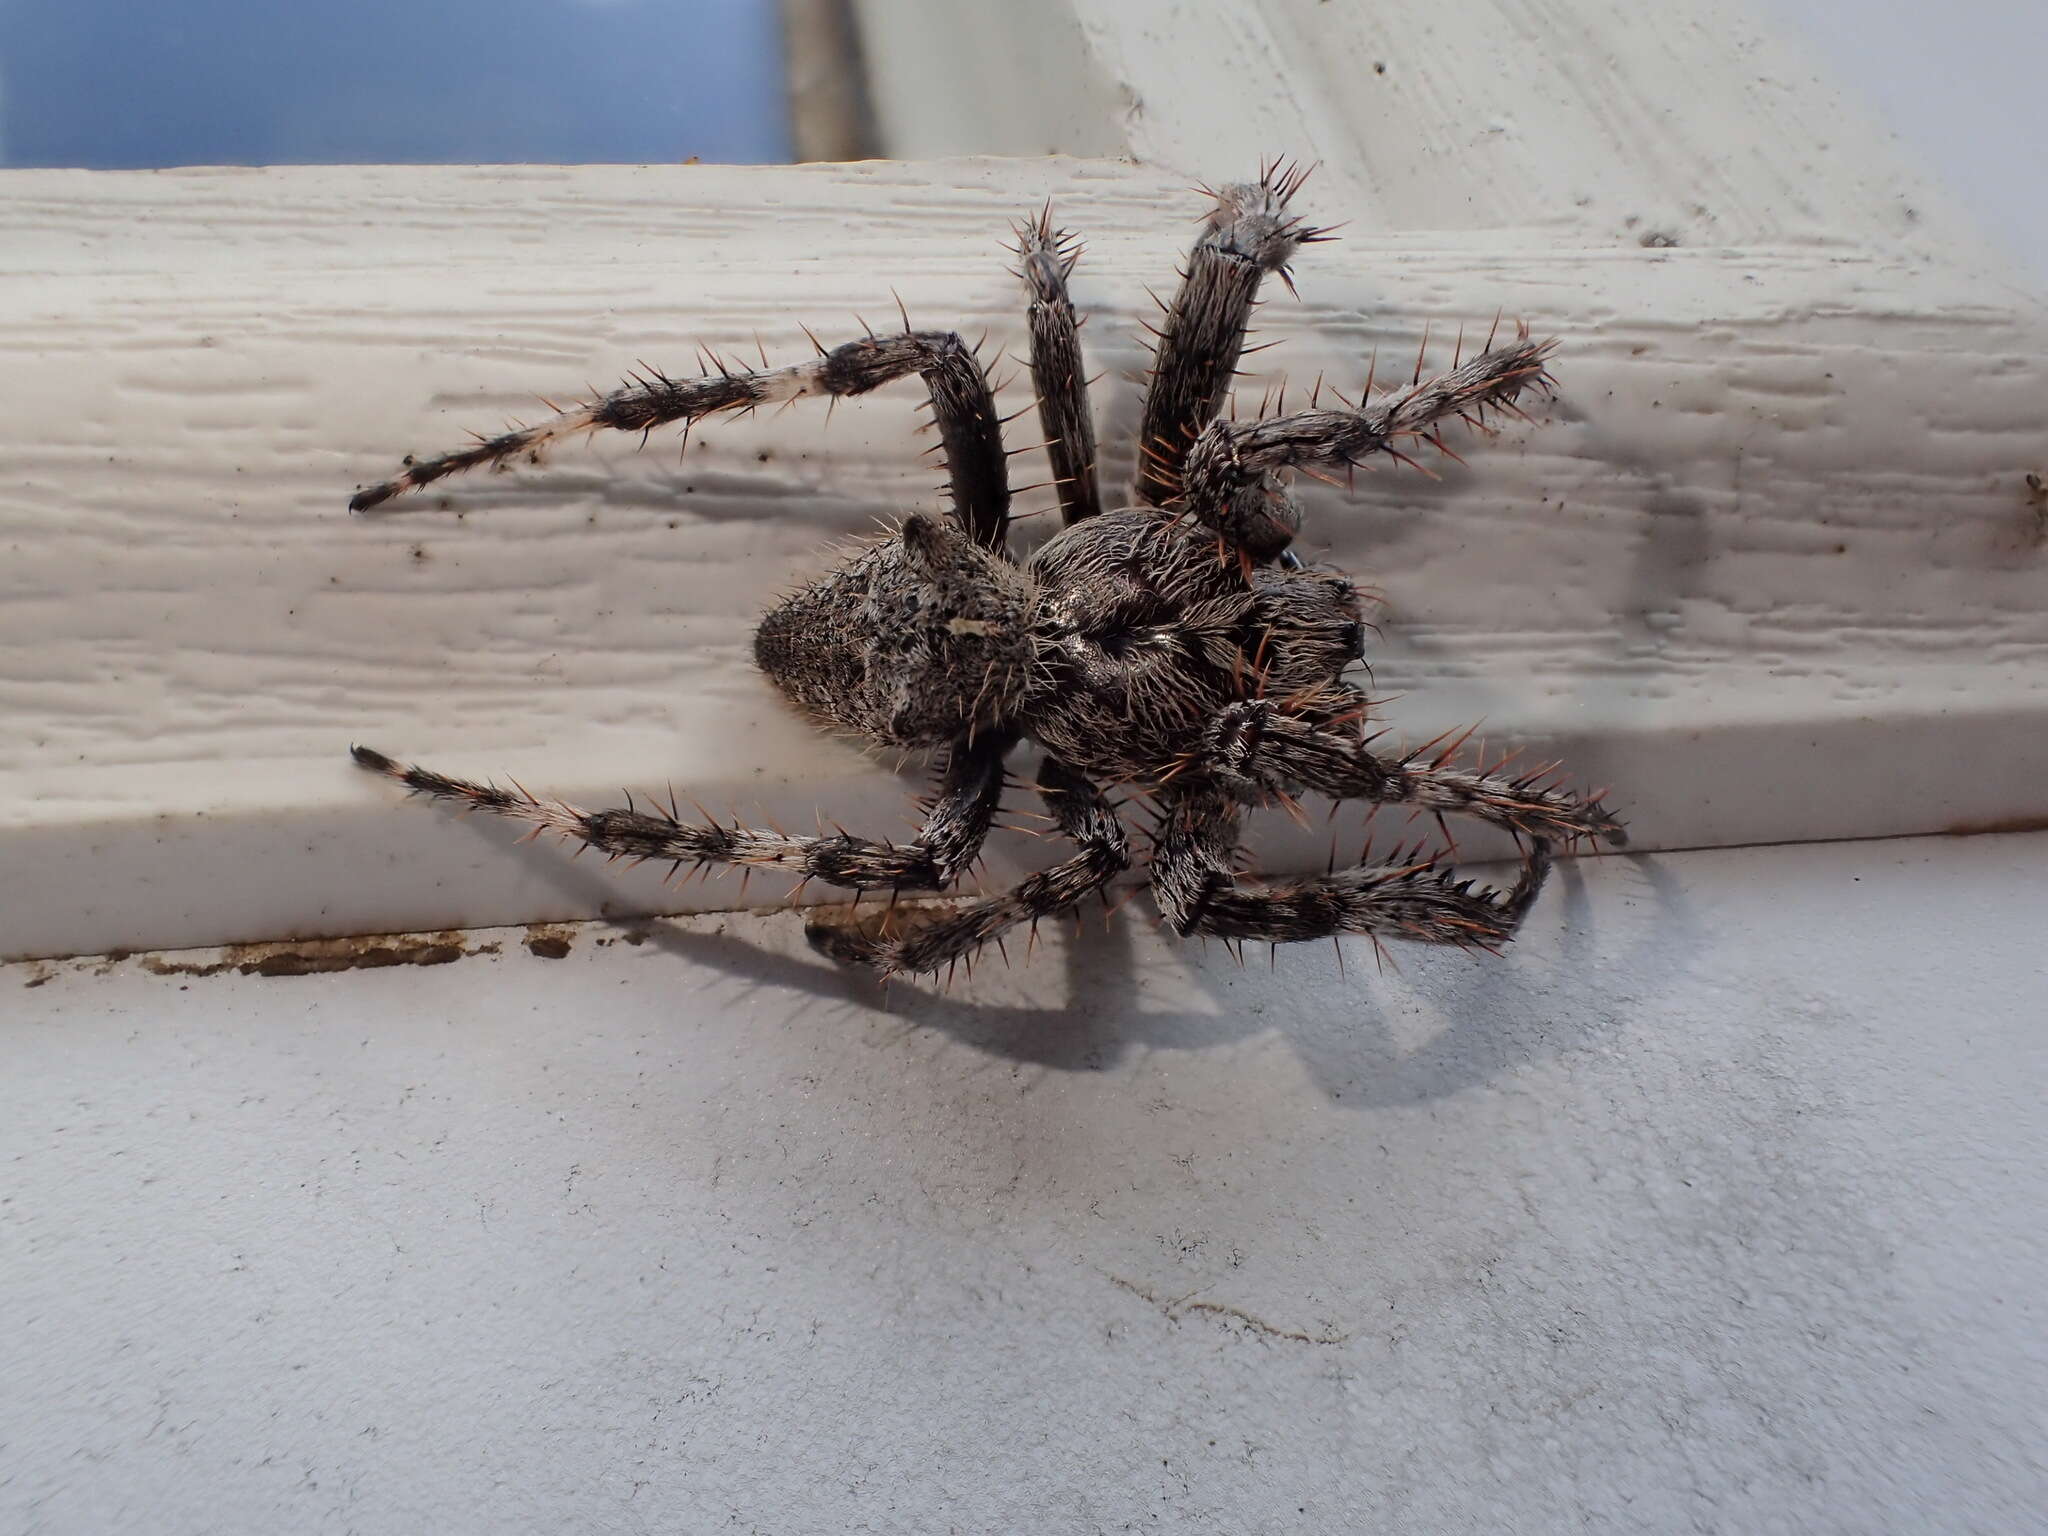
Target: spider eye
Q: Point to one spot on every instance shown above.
(1354, 638)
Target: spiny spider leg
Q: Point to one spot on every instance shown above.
(1046, 259)
(962, 407)
(1199, 892)
(953, 832)
(1247, 235)
(1230, 473)
(1083, 814)
(1125, 647)
(1257, 748)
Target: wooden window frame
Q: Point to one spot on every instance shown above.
(1770, 569)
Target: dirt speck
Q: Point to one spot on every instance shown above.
(548, 941)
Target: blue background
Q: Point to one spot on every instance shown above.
(125, 83)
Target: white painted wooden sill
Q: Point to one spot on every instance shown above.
(1769, 569)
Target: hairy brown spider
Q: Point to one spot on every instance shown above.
(1174, 646)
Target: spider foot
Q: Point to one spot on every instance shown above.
(880, 938)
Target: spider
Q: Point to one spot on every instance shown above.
(1173, 646)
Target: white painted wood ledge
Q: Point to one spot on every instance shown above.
(1769, 569)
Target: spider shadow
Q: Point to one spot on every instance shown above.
(1670, 550)
(1100, 1017)
(1495, 1018)
(1545, 998)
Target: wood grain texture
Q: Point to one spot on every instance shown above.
(1700, 121)
(1769, 568)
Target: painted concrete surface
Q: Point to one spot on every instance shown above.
(1716, 1205)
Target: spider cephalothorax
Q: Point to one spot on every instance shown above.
(1175, 646)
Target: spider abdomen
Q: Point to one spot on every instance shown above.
(917, 640)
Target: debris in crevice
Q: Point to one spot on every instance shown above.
(313, 957)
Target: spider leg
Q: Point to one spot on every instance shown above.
(1257, 748)
(1199, 892)
(962, 406)
(1083, 814)
(953, 832)
(1047, 256)
(1230, 477)
(1247, 235)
